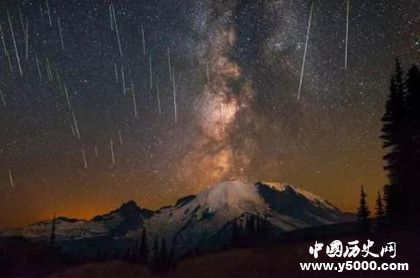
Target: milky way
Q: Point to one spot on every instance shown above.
(217, 108)
(102, 102)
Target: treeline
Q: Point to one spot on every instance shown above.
(401, 140)
(250, 231)
(158, 257)
(245, 231)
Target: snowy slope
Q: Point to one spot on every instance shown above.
(188, 224)
(114, 224)
(206, 214)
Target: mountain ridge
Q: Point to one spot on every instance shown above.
(205, 219)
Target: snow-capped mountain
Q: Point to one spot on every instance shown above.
(197, 219)
(113, 224)
(202, 220)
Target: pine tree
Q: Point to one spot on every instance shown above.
(363, 212)
(411, 189)
(379, 206)
(264, 227)
(250, 227)
(131, 254)
(144, 248)
(156, 248)
(380, 213)
(393, 137)
(401, 135)
(172, 257)
(235, 239)
(52, 235)
(163, 256)
(162, 262)
(154, 263)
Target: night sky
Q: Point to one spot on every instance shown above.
(84, 133)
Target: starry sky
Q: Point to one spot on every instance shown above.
(107, 101)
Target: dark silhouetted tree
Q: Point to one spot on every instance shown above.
(401, 135)
(132, 253)
(172, 256)
(254, 229)
(163, 254)
(379, 206)
(410, 190)
(250, 228)
(380, 213)
(236, 239)
(363, 212)
(163, 261)
(392, 135)
(155, 248)
(144, 248)
(262, 226)
(52, 235)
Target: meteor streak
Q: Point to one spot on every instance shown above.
(304, 52)
(14, 42)
(347, 34)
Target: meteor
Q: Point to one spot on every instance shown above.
(117, 32)
(38, 67)
(143, 40)
(123, 79)
(174, 94)
(75, 124)
(150, 73)
(48, 12)
(158, 98)
(111, 145)
(347, 34)
(14, 42)
(12, 183)
(169, 64)
(306, 47)
(85, 164)
(133, 94)
(60, 32)
(5, 50)
(3, 100)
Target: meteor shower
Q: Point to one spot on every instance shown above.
(208, 138)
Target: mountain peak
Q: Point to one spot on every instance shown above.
(131, 208)
(279, 186)
(227, 188)
(129, 205)
(228, 183)
(184, 200)
(232, 194)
